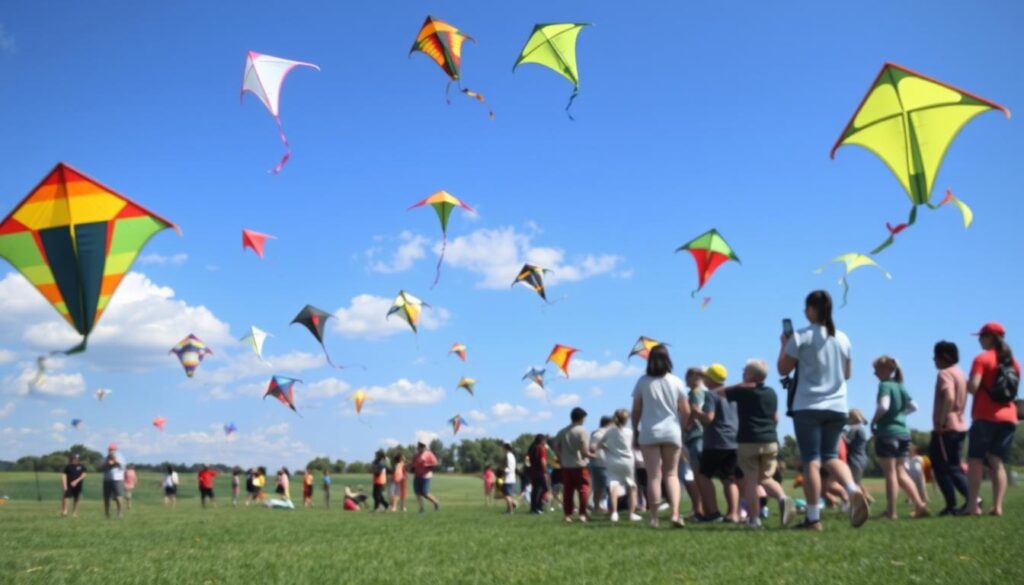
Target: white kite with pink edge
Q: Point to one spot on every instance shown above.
(264, 77)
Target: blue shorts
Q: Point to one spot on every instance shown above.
(598, 477)
(817, 434)
(508, 489)
(990, 438)
(421, 486)
(892, 447)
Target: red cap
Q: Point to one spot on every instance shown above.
(992, 328)
(112, 447)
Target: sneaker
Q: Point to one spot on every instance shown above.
(753, 525)
(844, 507)
(858, 509)
(711, 519)
(663, 506)
(614, 517)
(808, 525)
(787, 510)
(635, 517)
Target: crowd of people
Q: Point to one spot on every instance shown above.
(687, 433)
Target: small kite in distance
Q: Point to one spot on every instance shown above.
(560, 356)
(191, 351)
(255, 241)
(283, 388)
(458, 349)
(852, 262)
(160, 422)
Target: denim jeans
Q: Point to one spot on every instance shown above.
(945, 450)
(817, 434)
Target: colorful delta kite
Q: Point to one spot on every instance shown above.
(459, 350)
(102, 393)
(282, 388)
(76, 423)
(409, 308)
(255, 241)
(264, 77)
(467, 384)
(909, 120)
(160, 422)
(560, 356)
(554, 47)
(191, 351)
(852, 262)
(358, 398)
(443, 203)
(442, 42)
(315, 320)
(230, 429)
(533, 277)
(255, 339)
(456, 422)
(535, 375)
(74, 240)
(643, 347)
(710, 250)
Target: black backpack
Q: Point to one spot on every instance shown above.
(1004, 387)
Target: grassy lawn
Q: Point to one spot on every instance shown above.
(470, 543)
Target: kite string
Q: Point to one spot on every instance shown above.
(440, 260)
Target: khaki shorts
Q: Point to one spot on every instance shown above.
(758, 460)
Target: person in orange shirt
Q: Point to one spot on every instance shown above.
(399, 483)
(379, 469)
(307, 489)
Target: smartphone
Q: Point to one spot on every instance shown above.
(787, 327)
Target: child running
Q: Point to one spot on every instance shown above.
(489, 479)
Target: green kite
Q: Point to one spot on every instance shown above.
(554, 46)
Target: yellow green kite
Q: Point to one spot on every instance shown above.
(554, 46)
(909, 120)
(853, 261)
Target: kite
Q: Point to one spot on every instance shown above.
(159, 422)
(443, 202)
(704, 304)
(359, 398)
(315, 320)
(536, 376)
(459, 350)
(229, 429)
(442, 42)
(853, 261)
(554, 46)
(467, 384)
(74, 240)
(560, 356)
(190, 352)
(264, 78)
(102, 393)
(643, 347)
(76, 423)
(255, 339)
(909, 120)
(533, 277)
(409, 308)
(456, 422)
(710, 251)
(255, 241)
(282, 388)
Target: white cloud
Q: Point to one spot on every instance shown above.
(566, 400)
(413, 247)
(6, 410)
(7, 46)
(326, 388)
(59, 412)
(476, 416)
(160, 260)
(505, 412)
(141, 323)
(404, 392)
(52, 384)
(366, 317)
(536, 392)
(596, 391)
(58, 427)
(498, 254)
(423, 436)
(7, 356)
(582, 369)
(248, 366)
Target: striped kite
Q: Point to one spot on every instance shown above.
(442, 42)
(255, 339)
(255, 241)
(264, 78)
(467, 384)
(191, 351)
(315, 320)
(409, 308)
(74, 239)
(560, 356)
(710, 251)
(643, 347)
(852, 262)
(533, 277)
(456, 422)
(554, 47)
(282, 388)
(909, 120)
(443, 203)
(458, 349)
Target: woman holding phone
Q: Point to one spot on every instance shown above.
(820, 354)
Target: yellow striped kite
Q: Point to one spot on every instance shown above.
(909, 120)
(554, 47)
(74, 239)
(560, 356)
(409, 308)
(533, 277)
(442, 42)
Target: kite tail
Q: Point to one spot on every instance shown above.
(328, 356)
(478, 97)
(437, 273)
(575, 92)
(447, 93)
(846, 290)
(287, 148)
(893, 231)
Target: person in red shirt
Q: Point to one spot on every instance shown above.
(206, 475)
(993, 424)
(423, 464)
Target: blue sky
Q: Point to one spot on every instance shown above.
(689, 117)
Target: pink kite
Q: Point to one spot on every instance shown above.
(159, 422)
(255, 241)
(264, 77)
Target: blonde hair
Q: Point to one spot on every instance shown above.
(857, 416)
(889, 362)
(621, 417)
(759, 368)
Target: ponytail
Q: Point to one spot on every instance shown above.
(1003, 352)
(821, 302)
(890, 363)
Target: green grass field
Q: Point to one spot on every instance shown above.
(469, 543)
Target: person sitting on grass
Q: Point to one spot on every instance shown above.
(284, 484)
(617, 445)
(489, 478)
(72, 482)
(718, 460)
(509, 489)
(354, 499)
(205, 476)
(758, 442)
(892, 436)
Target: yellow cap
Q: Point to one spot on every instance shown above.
(716, 373)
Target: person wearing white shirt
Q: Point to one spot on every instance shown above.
(509, 487)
